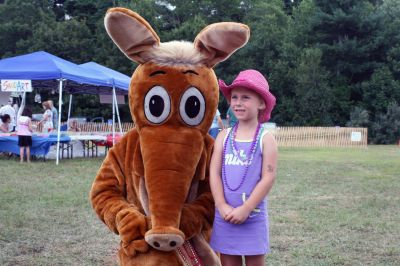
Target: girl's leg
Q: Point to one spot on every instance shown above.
(231, 260)
(257, 260)
(21, 154)
(28, 154)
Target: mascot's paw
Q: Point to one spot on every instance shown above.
(132, 248)
(132, 226)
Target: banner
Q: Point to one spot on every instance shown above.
(14, 85)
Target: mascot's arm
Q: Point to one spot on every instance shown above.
(109, 200)
(198, 215)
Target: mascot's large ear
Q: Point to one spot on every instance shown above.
(219, 40)
(130, 32)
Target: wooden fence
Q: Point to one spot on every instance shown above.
(93, 127)
(285, 136)
(103, 127)
(321, 136)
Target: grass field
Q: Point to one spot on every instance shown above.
(328, 207)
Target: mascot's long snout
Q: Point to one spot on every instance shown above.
(171, 156)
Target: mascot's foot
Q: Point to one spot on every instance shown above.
(165, 238)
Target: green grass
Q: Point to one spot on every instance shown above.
(336, 207)
(327, 207)
(46, 217)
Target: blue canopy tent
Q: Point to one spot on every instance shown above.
(119, 80)
(48, 71)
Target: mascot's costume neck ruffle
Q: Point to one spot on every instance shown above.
(152, 189)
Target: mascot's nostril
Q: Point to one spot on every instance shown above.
(164, 242)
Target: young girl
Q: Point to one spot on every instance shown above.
(47, 119)
(25, 134)
(74, 126)
(242, 172)
(6, 120)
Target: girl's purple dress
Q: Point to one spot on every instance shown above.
(252, 236)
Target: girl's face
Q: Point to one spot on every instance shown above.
(246, 104)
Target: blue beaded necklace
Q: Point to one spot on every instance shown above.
(247, 161)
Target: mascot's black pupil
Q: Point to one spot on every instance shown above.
(192, 106)
(156, 105)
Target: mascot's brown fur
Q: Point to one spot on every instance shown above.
(152, 189)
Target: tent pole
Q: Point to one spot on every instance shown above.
(119, 119)
(69, 109)
(59, 120)
(113, 114)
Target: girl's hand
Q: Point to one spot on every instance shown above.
(224, 209)
(238, 215)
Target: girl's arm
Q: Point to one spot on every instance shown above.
(30, 125)
(3, 128)
(45, 116)
(261, 190)
(21, 108)
(215, 176)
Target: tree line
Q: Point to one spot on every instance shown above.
(329, 63)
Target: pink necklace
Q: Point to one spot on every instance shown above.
(189, 255)
(247, 161)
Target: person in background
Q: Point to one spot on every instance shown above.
(5, 119)
(47, 119)
(74, 126)
(8, 109)
(25, 134)
(230, 116)
(55, 114)
(216, 125)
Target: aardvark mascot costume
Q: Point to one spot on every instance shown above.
(153, 188)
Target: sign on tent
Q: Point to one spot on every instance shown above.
(16, 85)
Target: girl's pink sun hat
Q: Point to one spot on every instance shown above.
(253, 80)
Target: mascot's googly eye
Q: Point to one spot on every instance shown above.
(192, 107)
(157, 105)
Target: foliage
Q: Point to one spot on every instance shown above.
(359, 117)
(322, 58)
(386, 127)
(312, 92)
(380, 91)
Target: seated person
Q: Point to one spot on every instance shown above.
(6, 120)
(74, 126)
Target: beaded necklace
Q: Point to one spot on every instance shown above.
(247, 160)
(189, 255)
